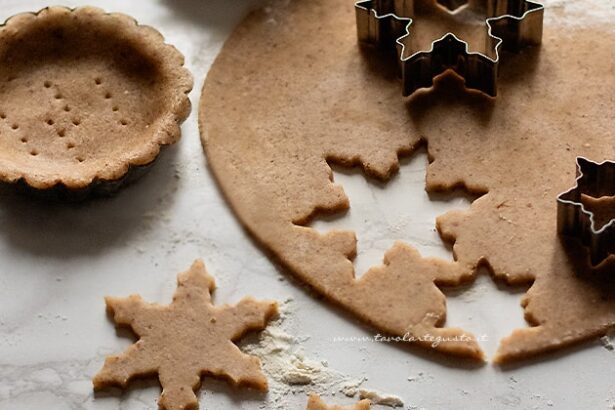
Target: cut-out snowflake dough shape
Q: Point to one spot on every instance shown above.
(186, 340)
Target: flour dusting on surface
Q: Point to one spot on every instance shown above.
(608, 341)
(287, 369)
(351, 388)
(578, 12)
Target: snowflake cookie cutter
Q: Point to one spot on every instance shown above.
(511, 24)
(575, 220)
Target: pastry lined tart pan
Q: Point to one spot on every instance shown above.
(87, 100)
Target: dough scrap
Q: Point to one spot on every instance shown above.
(185, 340)
(316, 403)
(279, 105)
(85, 96)
(381, 399)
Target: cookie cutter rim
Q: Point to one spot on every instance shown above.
(572, 215)
(367, 6)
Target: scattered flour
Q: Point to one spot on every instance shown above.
(608, 341)
(289, 372)
(351, 388)
(578, 12)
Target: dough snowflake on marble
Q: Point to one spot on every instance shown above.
(185, 340)
(316, 403)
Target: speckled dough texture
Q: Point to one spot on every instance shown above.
(186, 340)
(292, 92)
(84, 95)
(316, 403)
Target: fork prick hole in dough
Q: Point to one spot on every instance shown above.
(65, 61)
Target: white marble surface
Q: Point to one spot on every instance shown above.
(57, 262)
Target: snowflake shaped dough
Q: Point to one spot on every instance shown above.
(185, 340)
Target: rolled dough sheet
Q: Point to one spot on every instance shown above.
(292, 92)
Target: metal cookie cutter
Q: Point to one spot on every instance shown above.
(511, 24)
(594, 181)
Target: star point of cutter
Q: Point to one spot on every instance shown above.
(508, 24)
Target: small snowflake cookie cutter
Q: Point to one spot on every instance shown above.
(575, 220)
(511, 24)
